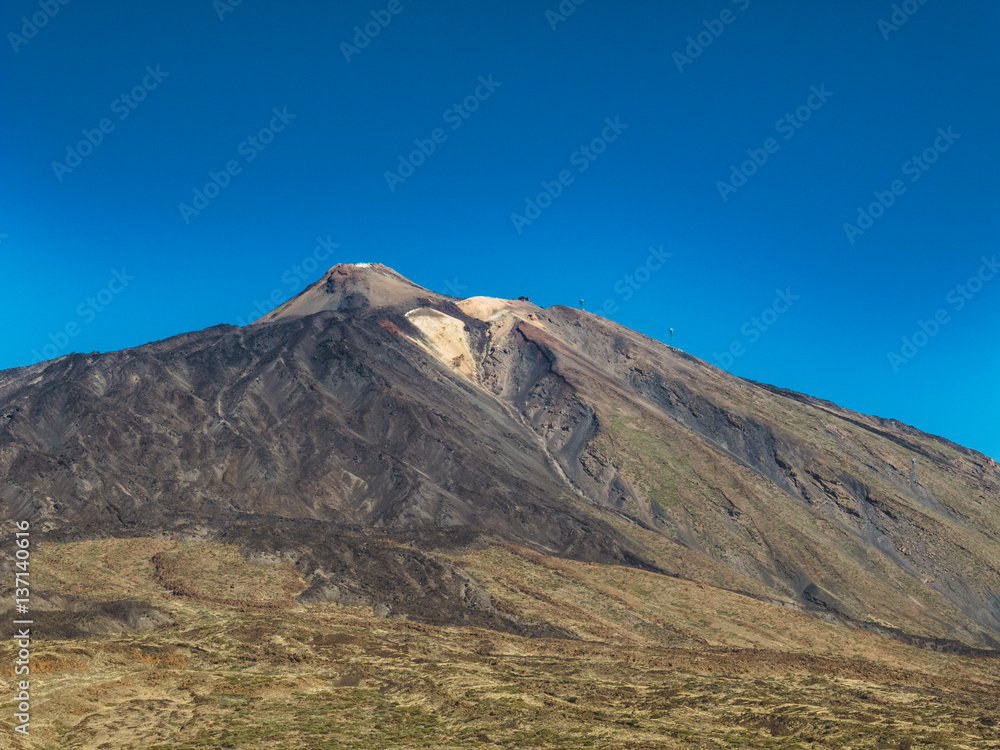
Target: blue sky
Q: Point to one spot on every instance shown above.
(513, 148)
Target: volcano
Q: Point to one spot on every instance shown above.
(369, 431)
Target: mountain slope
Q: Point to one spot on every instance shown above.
(368, 428)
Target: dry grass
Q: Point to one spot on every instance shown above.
(661, 663)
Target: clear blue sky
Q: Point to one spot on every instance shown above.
(198, 87)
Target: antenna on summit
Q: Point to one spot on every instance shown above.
(671, 337)
(581, 304)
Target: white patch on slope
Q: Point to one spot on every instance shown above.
(491, 308)
(446, 339)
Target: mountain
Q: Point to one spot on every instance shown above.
(369, 433)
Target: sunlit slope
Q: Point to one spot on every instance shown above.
(816, 503)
